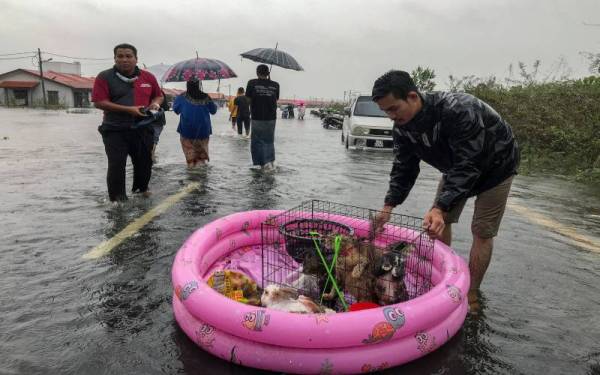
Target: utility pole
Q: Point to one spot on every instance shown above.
(42, 77)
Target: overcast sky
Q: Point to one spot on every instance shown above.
(342, 44)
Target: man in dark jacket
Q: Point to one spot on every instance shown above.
(468, 142)
(122, 92)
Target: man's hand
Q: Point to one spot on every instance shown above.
(154, 107)
(434, 223)
(381, 218)
(136, 111)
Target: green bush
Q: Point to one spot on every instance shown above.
(556, 124)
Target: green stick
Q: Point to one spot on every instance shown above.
(329, 269)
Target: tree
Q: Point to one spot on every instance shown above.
(593, 60)
(423, 78)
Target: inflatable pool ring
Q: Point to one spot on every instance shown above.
(351, 342)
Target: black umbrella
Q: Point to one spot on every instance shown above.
(273, 56)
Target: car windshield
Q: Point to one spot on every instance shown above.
(367, 107)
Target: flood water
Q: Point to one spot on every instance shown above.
(61, 314)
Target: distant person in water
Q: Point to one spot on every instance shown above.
(194, 108)
(263, 94)
(242, 103)
(301, 111)
(233, 111)
(465, 139)
(122, 92)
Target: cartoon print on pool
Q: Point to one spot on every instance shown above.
(256, 320)
(184, 292)
(454, 293)
(384, 331)
(425, 342)
(205, 335)
(367, 367)
(326, 367)
(245, 228)
(394, 316)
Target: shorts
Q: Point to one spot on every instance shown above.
(488, 212)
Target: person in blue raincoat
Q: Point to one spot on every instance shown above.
(194, 108)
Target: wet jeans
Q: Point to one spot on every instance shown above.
(262, 138)
(136, 143)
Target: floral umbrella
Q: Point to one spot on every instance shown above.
(201, 68)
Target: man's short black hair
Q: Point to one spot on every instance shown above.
(397, 82)
(241, 90)
(125, 46)
(262, 70)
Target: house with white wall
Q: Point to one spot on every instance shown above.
(63, 83)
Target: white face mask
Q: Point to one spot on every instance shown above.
(125, 79)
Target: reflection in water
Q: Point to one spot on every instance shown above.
(481, 356)
(124, 302)
(194, 358)
(261, 189)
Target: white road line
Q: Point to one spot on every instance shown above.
(576, 238)
(107, 246)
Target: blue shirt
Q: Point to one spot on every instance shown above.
(194, 119)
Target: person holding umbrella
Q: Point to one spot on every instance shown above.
(194, 108)
(263, 94)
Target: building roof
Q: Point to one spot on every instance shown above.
(72, 80)
(18, 84)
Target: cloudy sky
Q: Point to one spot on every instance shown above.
(342, 44)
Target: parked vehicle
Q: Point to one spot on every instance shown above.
(366, 126)
(333, 121)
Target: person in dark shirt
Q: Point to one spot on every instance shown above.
(471, 145)
(123, 92)
(243, 112)
(263, 94)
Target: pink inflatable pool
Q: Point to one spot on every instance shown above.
(349, 342)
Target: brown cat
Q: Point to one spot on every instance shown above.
(353, 271)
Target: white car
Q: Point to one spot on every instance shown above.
(366, 126)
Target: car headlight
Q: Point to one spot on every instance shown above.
(359, 130)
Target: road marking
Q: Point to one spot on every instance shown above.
(107, 246)
(578, 239)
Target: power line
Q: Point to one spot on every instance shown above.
(17, 53)
(78, 58)
(16, 58)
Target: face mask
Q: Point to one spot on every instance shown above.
(125, 79)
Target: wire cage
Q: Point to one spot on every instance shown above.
(329, 252)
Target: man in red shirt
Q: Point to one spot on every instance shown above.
(123, 92)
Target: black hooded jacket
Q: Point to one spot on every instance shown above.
(461, 136)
